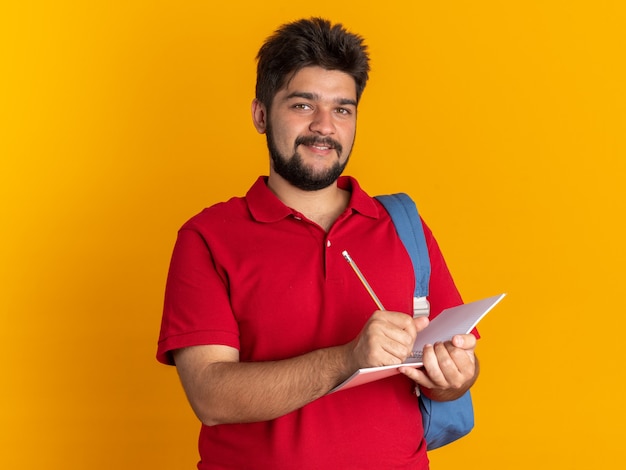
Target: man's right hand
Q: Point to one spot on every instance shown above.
(386, 339)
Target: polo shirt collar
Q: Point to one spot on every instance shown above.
(266, 207)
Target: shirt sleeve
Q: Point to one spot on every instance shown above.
(197, 308)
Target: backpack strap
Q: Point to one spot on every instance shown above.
(406, 219)
(446, 421)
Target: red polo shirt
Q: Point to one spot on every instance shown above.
(256, 275)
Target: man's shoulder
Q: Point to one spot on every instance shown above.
(233, 208)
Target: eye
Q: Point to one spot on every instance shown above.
(302, 106)
(344, 111)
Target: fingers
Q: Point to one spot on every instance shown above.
(449, 366)
(393, 333)
(386, 339)
(417, 375)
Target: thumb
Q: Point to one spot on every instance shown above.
(464, 341)
(421, 323)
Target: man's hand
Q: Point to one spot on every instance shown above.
(450, 368)
(387, 338)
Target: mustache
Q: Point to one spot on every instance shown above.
(320, 142)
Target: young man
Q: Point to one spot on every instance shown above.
(263, 316)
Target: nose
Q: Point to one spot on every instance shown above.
(322, 122)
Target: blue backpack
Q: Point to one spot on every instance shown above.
(443, 421)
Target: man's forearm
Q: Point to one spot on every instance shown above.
(239, 392)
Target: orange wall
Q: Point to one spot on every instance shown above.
(505, 120)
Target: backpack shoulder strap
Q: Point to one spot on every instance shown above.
(444, 421)
(406, 219)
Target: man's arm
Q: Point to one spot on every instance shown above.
(450, 368)
(223, 390)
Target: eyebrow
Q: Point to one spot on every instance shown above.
(317, 97)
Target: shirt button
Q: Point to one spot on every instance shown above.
(327, 243)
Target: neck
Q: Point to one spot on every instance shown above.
(323, 206)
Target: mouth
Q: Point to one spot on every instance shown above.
(320, 145)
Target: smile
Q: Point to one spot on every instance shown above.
(320, 144)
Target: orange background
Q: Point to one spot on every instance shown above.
(119, 120)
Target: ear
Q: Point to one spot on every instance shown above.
(259, 116)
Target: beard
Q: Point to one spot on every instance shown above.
(293, 169)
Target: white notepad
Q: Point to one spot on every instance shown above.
(450, 322)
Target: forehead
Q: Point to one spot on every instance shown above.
(332, 85)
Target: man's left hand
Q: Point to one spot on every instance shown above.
(450, 368)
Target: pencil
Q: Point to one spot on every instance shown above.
(366, 284)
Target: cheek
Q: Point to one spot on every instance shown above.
(285, 132)
(348, 136)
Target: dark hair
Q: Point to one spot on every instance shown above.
(309, 42)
